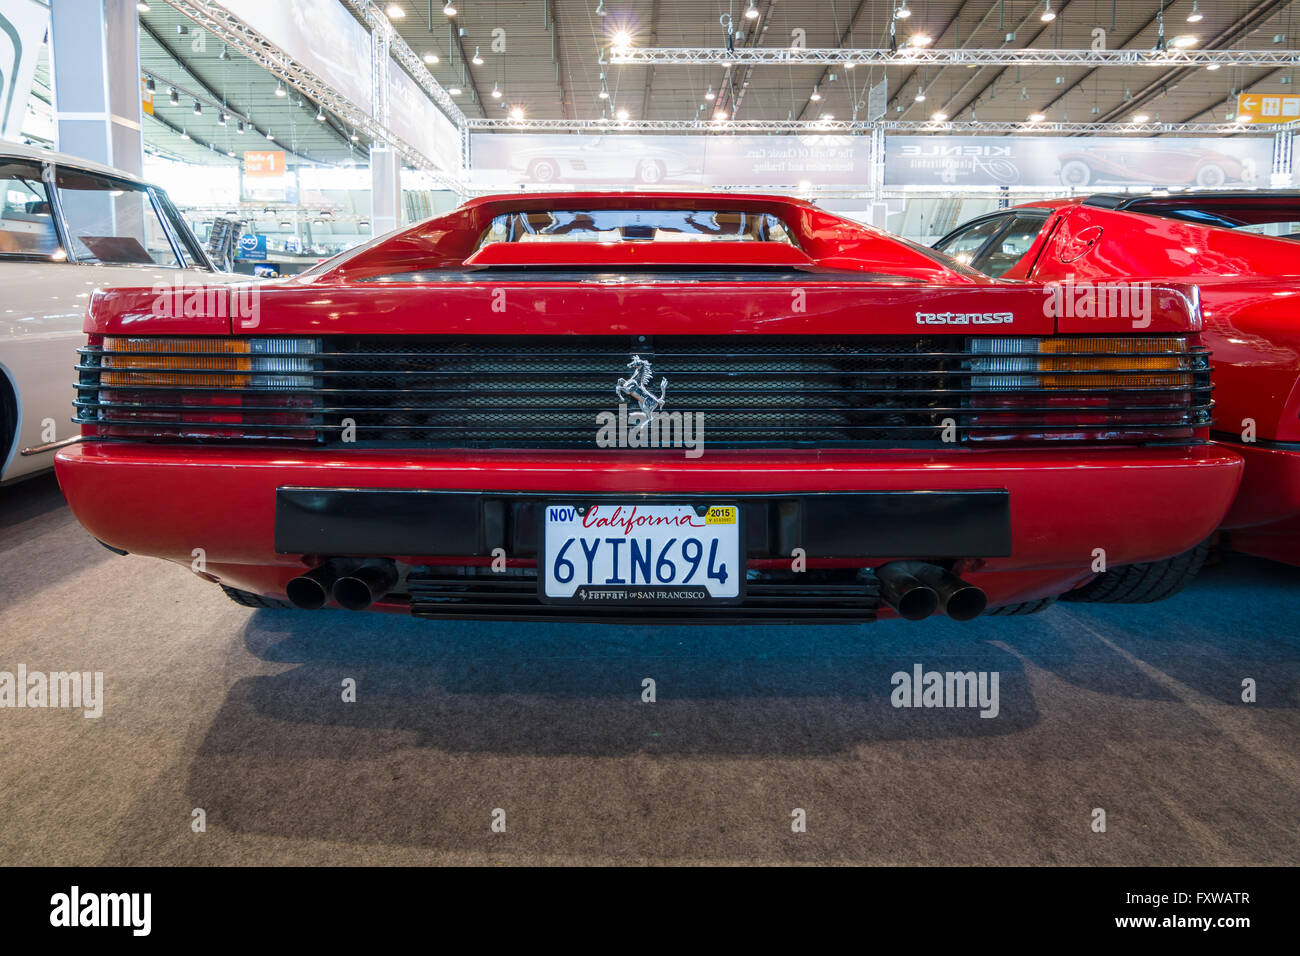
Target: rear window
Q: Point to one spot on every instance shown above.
(636, 225)
(1279, 219)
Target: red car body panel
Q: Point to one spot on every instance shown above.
(513, 307)
(141, 498)
(1138, 502)
(1250, 296)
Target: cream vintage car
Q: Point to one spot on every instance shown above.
(67, 227)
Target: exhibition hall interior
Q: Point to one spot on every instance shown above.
(650, 433)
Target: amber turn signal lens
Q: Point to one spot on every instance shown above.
(145, 361)
(1133, 356)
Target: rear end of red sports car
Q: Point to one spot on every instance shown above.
(643, 407)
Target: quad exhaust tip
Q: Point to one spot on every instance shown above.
(310, 591)
(365, 584)
(917, 589)
(353, 583)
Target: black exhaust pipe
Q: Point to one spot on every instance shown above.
(961, 601)
(365, 584)
(310, 591)
(911, 597)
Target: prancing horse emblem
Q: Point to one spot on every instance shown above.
(636, 388)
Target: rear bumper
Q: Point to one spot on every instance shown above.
(1138, 504)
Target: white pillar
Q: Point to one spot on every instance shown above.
(385, 190)
(385, 162)
(95, 54)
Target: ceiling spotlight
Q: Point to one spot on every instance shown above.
(1048, 13)
(449, 8)
(621, 116)
(185, 134)
(1195, 16)
(600, 9)
(814, 96)
(1243, 118)
(1036, 117)
(431, 58)
(939, 117)
(604, 92)
(142, 6)
(902, 12)
(173, 97)
(230, 153)
(1184, 41)
(1141, 118)
(198, 108)
(849, 64)
(827, 117)
(454, 90)
(709, 94)
(477, 60)
(239, 127)
(496, 92)
(221, 118)
(1212, 66)
(394, 11)
(720, 115)
(751, 12)
(320, 114)
(920, 94)
(517, 114)
(225, 53)
(354, 137)
(149, 84)
(622, 40)
(270, 136)
(921, 39)
(280, 90)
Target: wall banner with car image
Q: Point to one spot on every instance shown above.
(1074, 162)
(629, 159)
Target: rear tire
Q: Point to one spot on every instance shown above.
(1027, 607)
(249, 599)
(1143, 583)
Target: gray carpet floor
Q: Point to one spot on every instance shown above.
(1135, 710)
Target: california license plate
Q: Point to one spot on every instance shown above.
(641, 554)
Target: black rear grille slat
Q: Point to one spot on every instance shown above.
(753, 390)
(832, 597)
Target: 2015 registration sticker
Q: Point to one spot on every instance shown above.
(638, 553)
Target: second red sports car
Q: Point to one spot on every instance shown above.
(1240, 248)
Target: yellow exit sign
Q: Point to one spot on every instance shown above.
(1268, 107)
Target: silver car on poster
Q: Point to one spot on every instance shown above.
(608, 158)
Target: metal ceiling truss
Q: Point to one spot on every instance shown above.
(914, 56)
(218, 21)
(716, 127)
(370, 14)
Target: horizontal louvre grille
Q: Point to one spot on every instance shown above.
(752, 390)
(822, 597)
